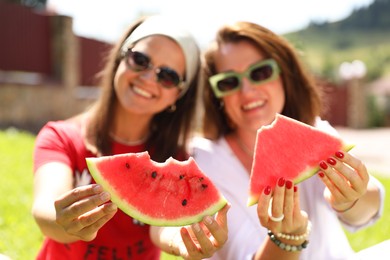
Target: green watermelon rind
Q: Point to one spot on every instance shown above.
(253, 199)
(134, 213)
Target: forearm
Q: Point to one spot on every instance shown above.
(270, 251)
(365, 208)
(45, 219)
(47, 188)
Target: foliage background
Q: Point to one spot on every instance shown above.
(364, 35)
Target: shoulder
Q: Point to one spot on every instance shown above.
(60, 131)
(199, 142)
(325, 126)
(202, 144)
(60, 128)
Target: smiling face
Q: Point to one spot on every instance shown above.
(139, 92)
(254, 105)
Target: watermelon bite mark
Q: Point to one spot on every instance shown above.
(173, 193)
(291, 149)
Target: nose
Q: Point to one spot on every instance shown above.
(148, 75)
(247, 85)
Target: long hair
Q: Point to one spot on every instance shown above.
(169, 130)
(303, 97)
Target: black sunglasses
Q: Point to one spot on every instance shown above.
(226, 83)
(138, 61)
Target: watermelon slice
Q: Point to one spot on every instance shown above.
(173, 193)
(291, 149)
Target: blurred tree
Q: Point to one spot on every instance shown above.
(374, 16)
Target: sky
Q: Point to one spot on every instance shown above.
(106, 20)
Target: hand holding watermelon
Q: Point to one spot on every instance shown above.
(347, 180)
(197, 241)
(81, 212)
(278, 210)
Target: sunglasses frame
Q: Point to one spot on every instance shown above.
(128, 53)
(213, 80)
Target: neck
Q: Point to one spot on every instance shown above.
(248, 151)
(129, 128)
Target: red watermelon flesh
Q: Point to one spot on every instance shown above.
(173, 193)
(291, 149)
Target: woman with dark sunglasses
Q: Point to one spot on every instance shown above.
(250, 75)
(147, 103)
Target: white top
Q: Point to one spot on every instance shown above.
(327, 238)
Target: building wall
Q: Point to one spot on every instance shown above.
(29, 107)
(335, 103)
(25, 39)
(46, 71)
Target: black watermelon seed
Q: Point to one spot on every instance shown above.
(154, 175)
(181, 176)
(184, 202)
(201, 179)
(127, 165)
(204, 186)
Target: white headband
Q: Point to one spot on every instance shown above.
(159, 25)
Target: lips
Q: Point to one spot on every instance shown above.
(253, 105)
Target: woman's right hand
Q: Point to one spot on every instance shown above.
(81, 212)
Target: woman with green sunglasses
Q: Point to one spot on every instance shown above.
(250, 74)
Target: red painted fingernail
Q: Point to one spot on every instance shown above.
(267, 190)
(339, 154)
(323, 165)
(295, 188)
(281, 182)
(289, 184)
(331, 161)
(322, 175)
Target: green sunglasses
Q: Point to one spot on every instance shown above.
(226, 83)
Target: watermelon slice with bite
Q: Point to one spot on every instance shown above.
(291, 149)
(173, 193)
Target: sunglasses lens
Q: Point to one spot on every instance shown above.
(228, 84)
(139, 61)
(168, 77)
(261, 73)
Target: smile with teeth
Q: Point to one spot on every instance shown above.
(142, 92)
(253, 105)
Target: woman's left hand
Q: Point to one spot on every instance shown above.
(346, 179)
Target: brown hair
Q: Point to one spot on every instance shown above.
(303, 97)
(169, 130)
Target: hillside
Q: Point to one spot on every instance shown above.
(364, 35)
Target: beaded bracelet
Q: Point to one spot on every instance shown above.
(287, 247)
(296, 237)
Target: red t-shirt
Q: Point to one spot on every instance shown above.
(120, 238)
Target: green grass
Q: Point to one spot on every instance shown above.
(379, 231)
(20, 237)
